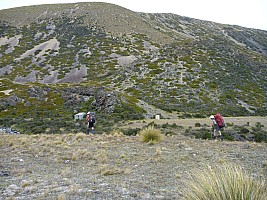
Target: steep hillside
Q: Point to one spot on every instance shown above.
(56, 58)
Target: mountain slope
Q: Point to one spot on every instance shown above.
(172, 62)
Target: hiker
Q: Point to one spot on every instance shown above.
(218, 124)
(90, 118)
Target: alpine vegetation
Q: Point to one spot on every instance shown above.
(59, 60)
(150, 135)
(225, 182)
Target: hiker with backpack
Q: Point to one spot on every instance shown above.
(90, 119)
(218, 124)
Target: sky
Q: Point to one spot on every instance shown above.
(246, 13)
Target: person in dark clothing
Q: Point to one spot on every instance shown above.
(90, 118)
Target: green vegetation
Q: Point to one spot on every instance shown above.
(231, 132)
(192, 72)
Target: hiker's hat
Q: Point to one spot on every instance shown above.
(212, 117)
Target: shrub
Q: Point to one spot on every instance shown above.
(202, 133)
(150, 135)
(197, 124)
(131, 131)
(243, 130)
(224, 182)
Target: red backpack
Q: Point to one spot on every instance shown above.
(219, 119)
(90, 117)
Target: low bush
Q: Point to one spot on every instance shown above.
(203, 133)
(131, 131)
(197, 124)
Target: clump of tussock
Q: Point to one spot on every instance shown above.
(150, 135)
(106, 170)
(102, 156)
(80, 136)
(224, 182)
(116, 133)
(158, 151)
(61, 197)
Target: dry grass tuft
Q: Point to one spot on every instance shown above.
(73, 189)
(107, 170)
(61, 197)
(74, 156)
(150, 135)
(264, 163)
(224, 182)
(102, 156)
(116, 133)
(80, 136)
(158, 151)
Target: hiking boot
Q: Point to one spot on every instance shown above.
(221, 137)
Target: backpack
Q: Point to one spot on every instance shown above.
(91, 117)
(219, 119)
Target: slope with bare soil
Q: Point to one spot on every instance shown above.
(113, 166)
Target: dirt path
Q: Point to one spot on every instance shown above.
(239, 121)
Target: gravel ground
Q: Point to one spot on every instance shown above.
(113, 166)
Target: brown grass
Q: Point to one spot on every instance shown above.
(150, 135)
(114, 166)
(224, 182)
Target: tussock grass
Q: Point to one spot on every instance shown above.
(107, 170)
(158, 151)
(102, 156)
(80, 136)
(150, 135)
(66, 172)
(225, 182)
(74, 156)
(116, 133)
(73, 189)
(61, 197)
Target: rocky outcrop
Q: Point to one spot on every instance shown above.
(105, 101)
(102, 100)
(38, 92)
(10, 101)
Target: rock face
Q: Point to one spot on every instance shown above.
(37, 92)
(105, 101)
(102, 100)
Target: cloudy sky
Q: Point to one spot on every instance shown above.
(246, 13)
